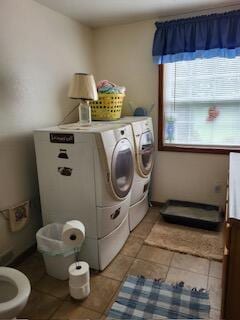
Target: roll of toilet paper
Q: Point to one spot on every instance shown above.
(80, 293)
(73, 233)
(79, 274)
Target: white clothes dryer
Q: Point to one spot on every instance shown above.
(143, 136)
(86, 174)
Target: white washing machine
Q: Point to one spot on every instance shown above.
(86, 174)
(143, 135)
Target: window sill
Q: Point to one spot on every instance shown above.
(192, 149)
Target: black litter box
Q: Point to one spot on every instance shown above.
(192, 214)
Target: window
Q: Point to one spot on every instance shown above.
(200, 105)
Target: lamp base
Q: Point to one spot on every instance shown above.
(85, 118)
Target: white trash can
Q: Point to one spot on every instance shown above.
(57, 256)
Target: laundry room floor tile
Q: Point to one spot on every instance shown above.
(40, 306)
(50, 297)
(191, 279)
(215, 314)
(113, 299)
(132, 246)
(53, 287)
(148, 269)
(152, 216)
(72, 310)
(156, 255)
(215, 269)
(118, 267)
(33, 268)
(142, 230)
(215, 292)
(190, 263)
(102, 291)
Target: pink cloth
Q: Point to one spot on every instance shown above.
(103, 83)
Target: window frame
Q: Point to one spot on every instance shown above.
(192, 149)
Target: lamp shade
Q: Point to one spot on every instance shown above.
(83, 86)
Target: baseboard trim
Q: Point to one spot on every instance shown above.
(157, 203)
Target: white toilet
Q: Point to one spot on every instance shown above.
(15, 289)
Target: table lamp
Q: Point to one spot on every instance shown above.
(83, 87)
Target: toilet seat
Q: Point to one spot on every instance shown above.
(21, 282)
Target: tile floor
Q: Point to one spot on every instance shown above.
(50, 298)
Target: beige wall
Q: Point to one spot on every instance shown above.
(40, 50)
(123, 55)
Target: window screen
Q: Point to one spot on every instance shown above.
(202, 103)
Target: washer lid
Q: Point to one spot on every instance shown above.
(122, 168)
(145, 152)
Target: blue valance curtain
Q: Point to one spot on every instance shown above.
(215, 35)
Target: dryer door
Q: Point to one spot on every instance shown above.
(146, 149)
(122, 168)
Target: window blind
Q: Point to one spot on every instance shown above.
(202, 103)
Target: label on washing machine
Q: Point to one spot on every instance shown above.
(62, 138)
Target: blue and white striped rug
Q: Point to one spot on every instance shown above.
(141, 298)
